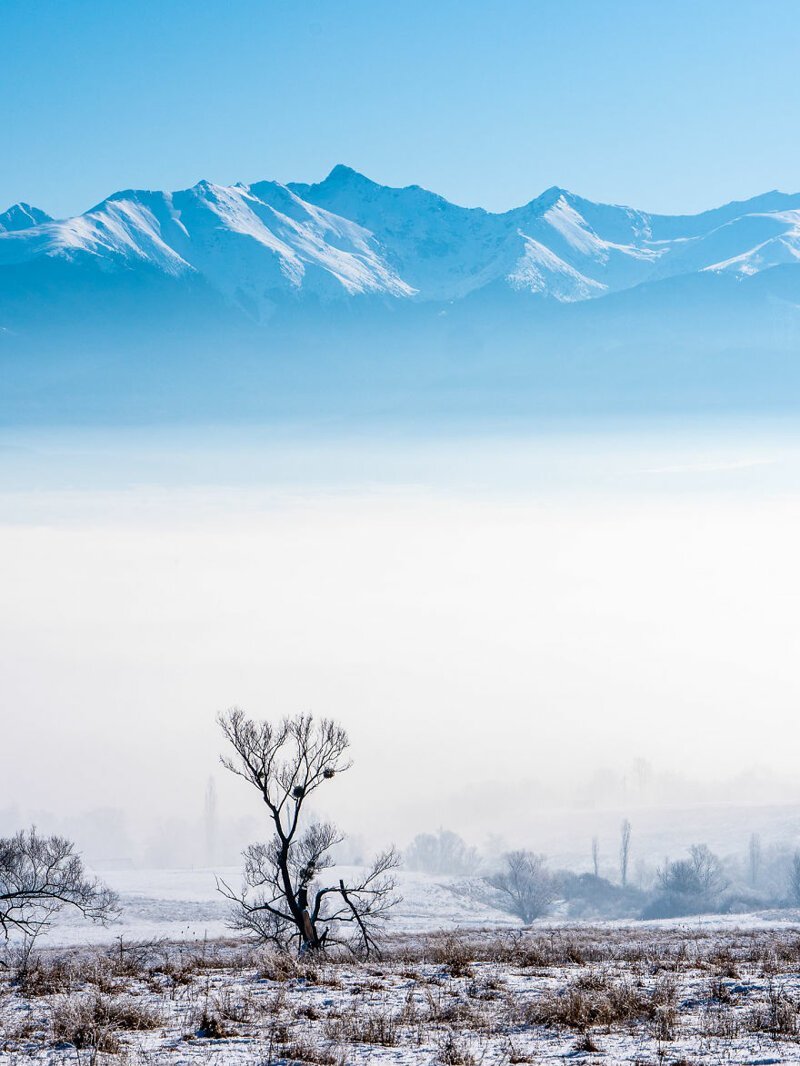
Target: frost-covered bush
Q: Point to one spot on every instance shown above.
(588, 896)
(524, 886)
(689, 886)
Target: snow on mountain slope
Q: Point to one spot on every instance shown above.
(611, 250)
(446, 251)
(675, 227)
(265, 236)
(541, 271)
(348, 236)
(442, 250)
(251, 244)
(782, 246)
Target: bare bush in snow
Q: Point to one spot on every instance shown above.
(524, 886)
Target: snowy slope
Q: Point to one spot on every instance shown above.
(185, 904)
(558, 245)
(254, 245)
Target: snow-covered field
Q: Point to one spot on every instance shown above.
(185, 905)
(458, 983)
(614, 994)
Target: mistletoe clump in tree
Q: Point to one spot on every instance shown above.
(283, 899)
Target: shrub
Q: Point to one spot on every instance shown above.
(524, 887)
(455, 954)
(377, 1027)
(689, 886)
(601, 1001)
(454, 1051)
(589, 896)
(95, 1022)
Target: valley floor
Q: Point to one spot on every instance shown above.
(614, 994)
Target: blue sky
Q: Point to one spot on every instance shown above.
(671, 107)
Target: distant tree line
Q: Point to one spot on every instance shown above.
(522, 884)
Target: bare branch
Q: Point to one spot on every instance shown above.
(41, 875)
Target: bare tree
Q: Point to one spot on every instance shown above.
(754, 858)
(794, 879)
(699, 879)
(624, 851)
(39, 876)
(596, 856)
(525, 886)
(282, 899)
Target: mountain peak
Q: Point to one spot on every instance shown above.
(551, 196)
(22, 216)
(341, 174)
(345, 189)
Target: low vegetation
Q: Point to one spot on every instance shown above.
(522, 883)
(634, 994)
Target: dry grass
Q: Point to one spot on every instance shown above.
(275, 966)
(595, 999)
(455, 1050)
(211, 1026)
(309, 1051)
(96, 1021)
(455, 954)
(778, 1016)
(379, 1027)
(452, 999)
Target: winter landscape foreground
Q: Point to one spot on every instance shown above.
(457, 982)
(650, 993)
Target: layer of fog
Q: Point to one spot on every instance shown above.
(526, 637)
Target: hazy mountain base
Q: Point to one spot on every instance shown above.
(626, 995)
(142, 348)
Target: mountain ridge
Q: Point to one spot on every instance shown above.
(347, 296)
(345, 237)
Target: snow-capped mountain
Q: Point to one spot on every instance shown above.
(22, 216)
(347, 237)
(444, 251)
(251, 244)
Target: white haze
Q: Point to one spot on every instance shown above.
(496, 621)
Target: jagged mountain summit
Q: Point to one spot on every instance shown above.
(22, 216)
(347, 237)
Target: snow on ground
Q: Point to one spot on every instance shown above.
(185, 905)
(638, 995)
(459, 984)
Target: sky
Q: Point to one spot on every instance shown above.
(637, 597)
(667, 107)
